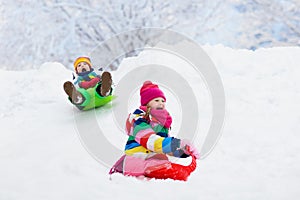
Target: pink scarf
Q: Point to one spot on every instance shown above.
(162, 116)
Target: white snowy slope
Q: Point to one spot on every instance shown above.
(257, 157)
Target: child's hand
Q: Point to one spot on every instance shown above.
(189, 148)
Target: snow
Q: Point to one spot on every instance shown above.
(76, 27)
(257, 156)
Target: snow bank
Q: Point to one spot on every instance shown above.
(256, 158)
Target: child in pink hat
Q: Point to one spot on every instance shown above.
(149, 146)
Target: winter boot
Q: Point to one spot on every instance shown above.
(105, 84)
(75, 96)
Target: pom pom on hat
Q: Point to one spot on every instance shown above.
(150, 91)
(82, 59)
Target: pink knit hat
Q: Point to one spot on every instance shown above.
(150, 91)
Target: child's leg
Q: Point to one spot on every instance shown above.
(135, 166)
(104, 88)
(75, 96)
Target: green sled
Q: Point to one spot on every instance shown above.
(92, 99)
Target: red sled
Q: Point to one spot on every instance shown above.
(158, 167)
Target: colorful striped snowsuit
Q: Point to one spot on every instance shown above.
(146, 136)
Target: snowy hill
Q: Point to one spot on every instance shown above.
(257, 157)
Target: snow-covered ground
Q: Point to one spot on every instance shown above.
(257, 157)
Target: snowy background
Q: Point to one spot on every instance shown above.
(257, 157)
(35, 31)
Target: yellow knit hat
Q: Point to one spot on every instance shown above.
(82, 59)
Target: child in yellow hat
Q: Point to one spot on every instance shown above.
(93, 88)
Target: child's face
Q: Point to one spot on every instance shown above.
(83, 67)
(157, 103)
